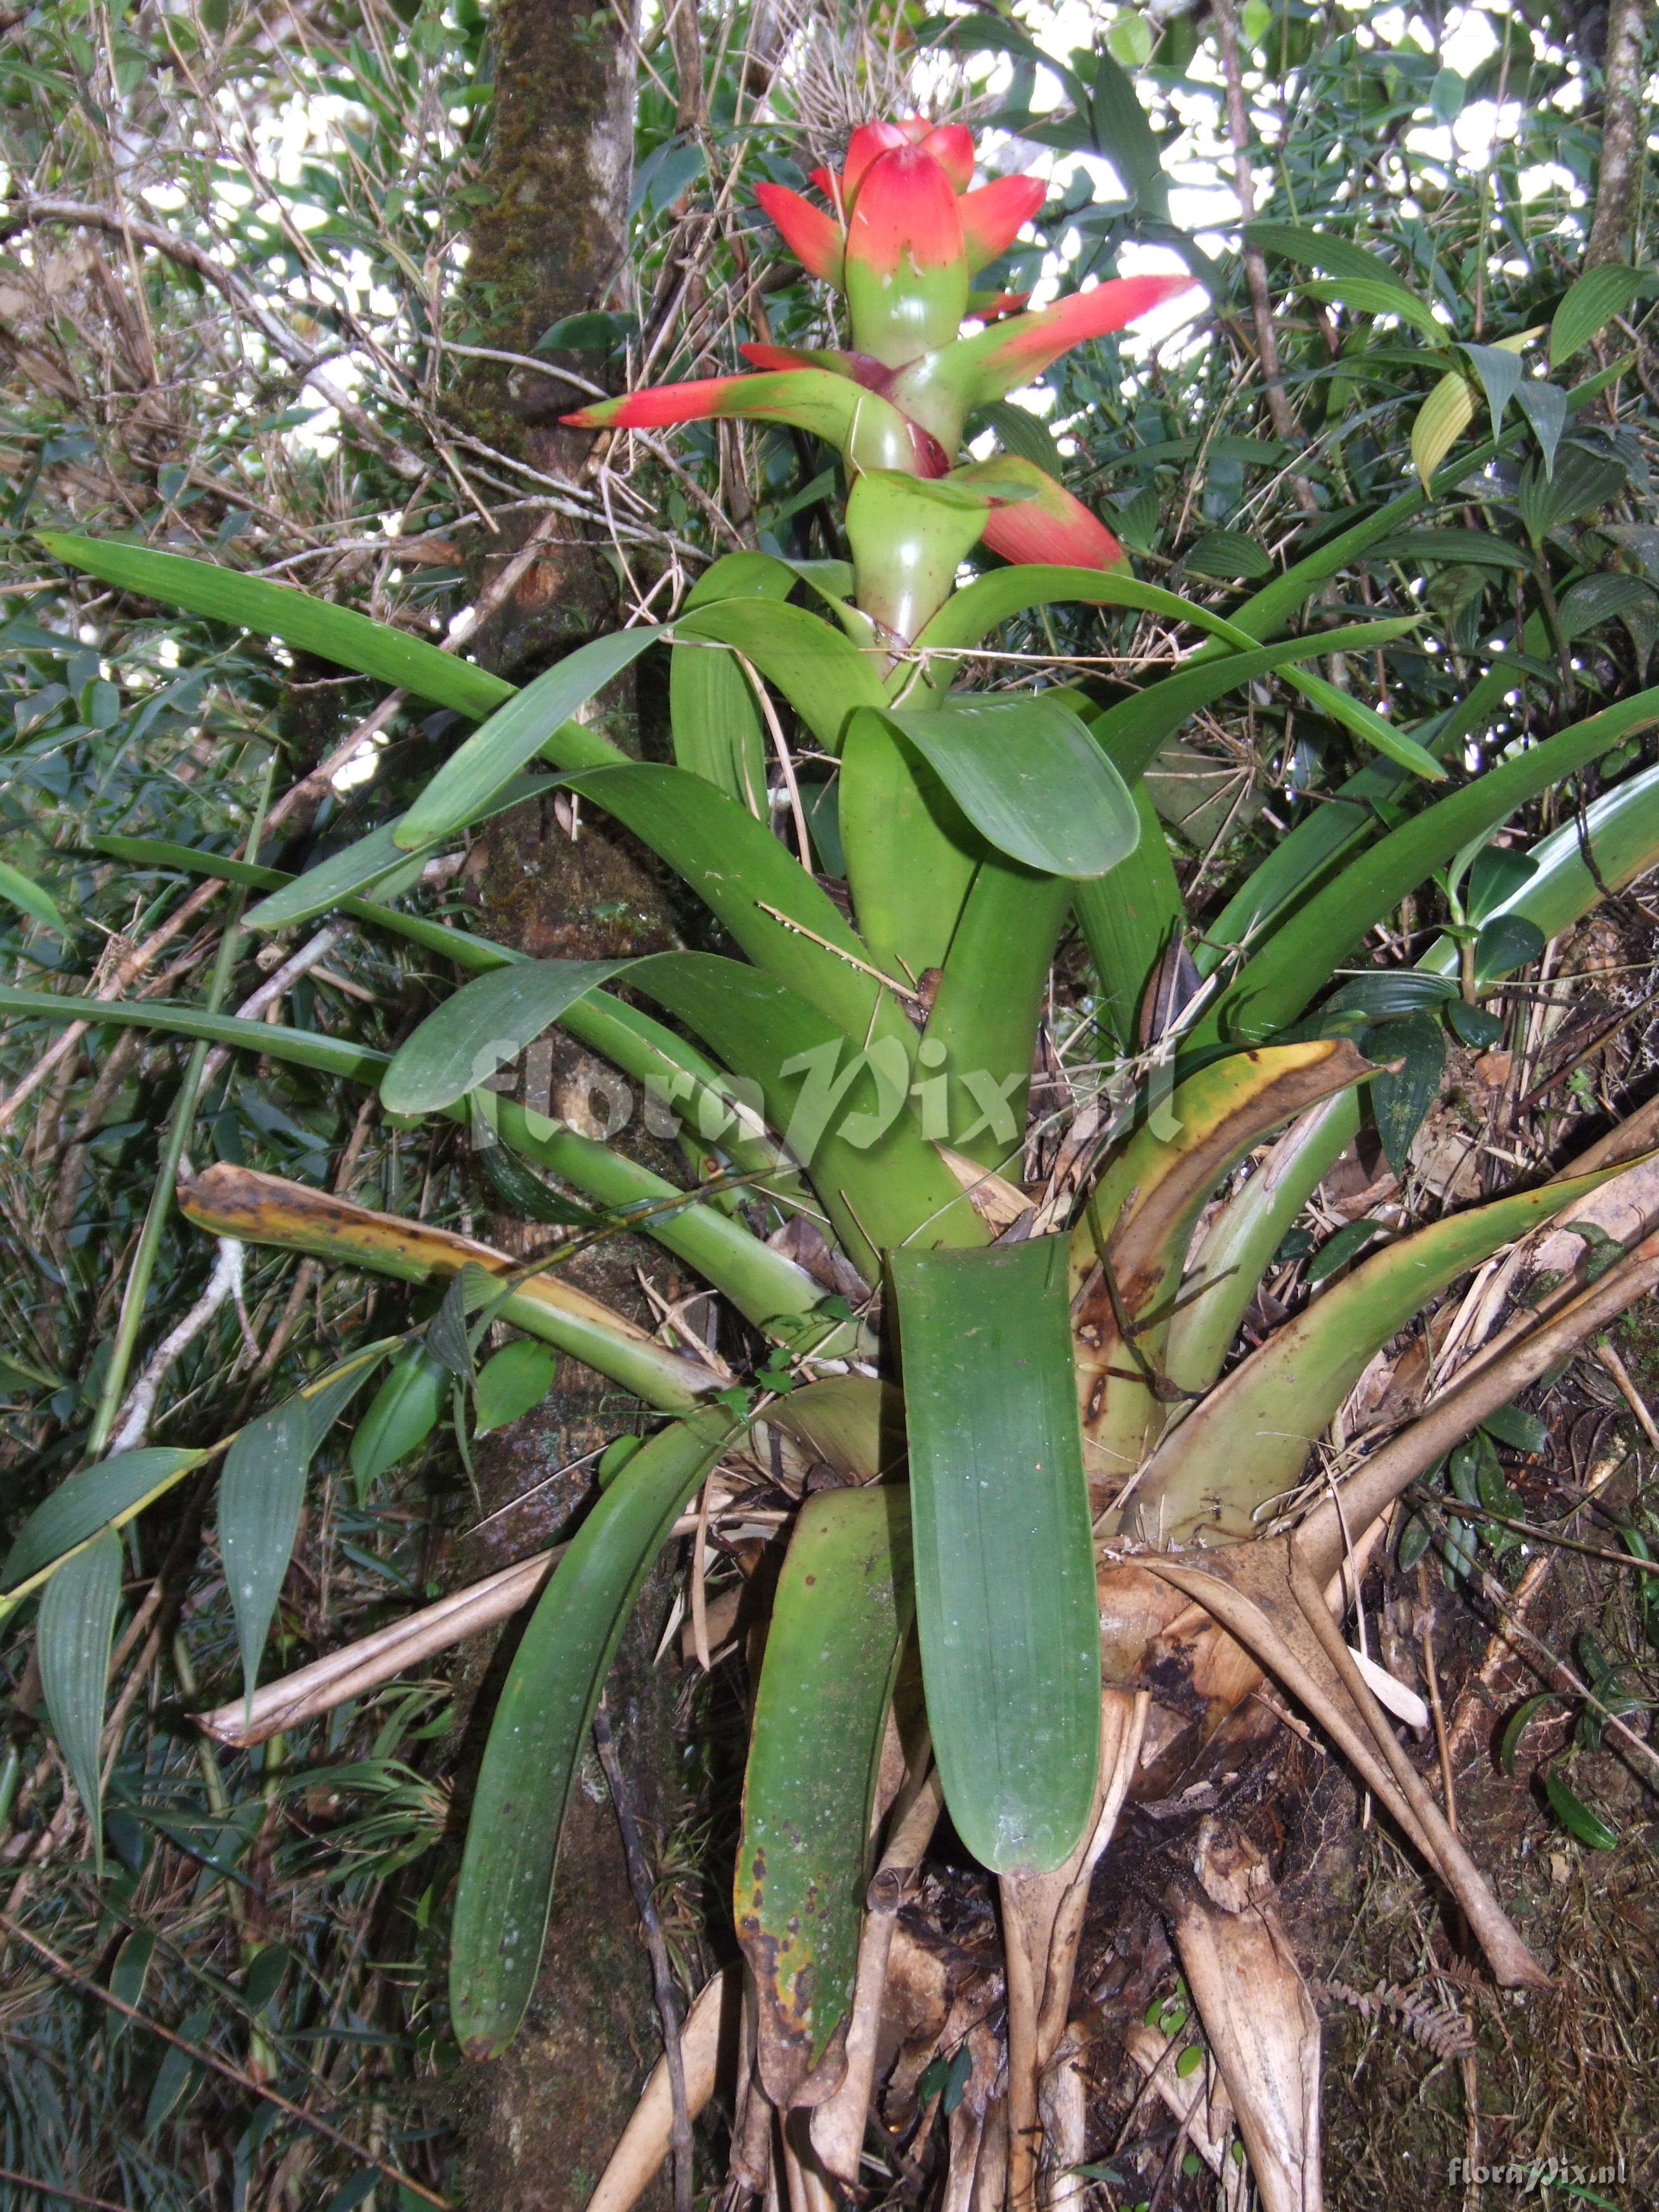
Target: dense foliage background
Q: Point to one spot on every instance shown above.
(235, 318)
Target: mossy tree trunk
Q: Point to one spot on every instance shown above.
(540, 2122)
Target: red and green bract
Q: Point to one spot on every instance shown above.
(902, 235)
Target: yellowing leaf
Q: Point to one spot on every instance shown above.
(1441, 422)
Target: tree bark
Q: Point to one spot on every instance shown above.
(1622, 135)
(539, 2123)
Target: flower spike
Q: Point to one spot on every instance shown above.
(906, 270)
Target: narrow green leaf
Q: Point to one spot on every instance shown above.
(534, 719)
(1621, 830)
(1028, 775)
(971, 613)
(302, 1047)
(1367, 724)
(785, 922)
(1593, 302)
(261, 1494)
(1510, 1742)
(128, 1975)
(717, 726)
(335, 634)
(1575, 1816)
(112, 1490)
(839, 1620)
(512, 1381)
(1544, 406)
(1239, 1244)
(541, 1723)
(1003, 1553)
(179, 2076)
(1127, 918)
(1274, 987)
(1134, 732)
(402, 1414)
(1483, 547)
(1249, 1439)
(76, 1631)
(481, 1027)
(819, 670)
(1374, 296)
(1440, 422)
(30, 899)
(1322, 249)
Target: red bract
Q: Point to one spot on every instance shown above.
(813, 237)
(994, 216)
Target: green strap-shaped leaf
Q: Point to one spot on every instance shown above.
(973, 612)
(976, 1061)
(1249, 1440)
(466, 950)
(718, 731)
(764, 1285)
(1128, 918)
(1226, 1270)
(1134, 732)
(261, 1493)
(112, 1490)
(1322, 249)
(28, 897)
(1272, 989)
(784, 921)
(377, 861)
(1368, 804)
(1027, 774)
(541, 1723)
(72, 1644)
(1004, 1555)
(483, 1026)
(839, 1620)
(300, 1047)
(819, 670)
(843, 1109)
(1372, 296)
(1621, 828)
(910, 853)
(335, 634)
(534, 720)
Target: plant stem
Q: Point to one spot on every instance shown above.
(160, 1202)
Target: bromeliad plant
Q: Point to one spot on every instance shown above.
(1046, 1481)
